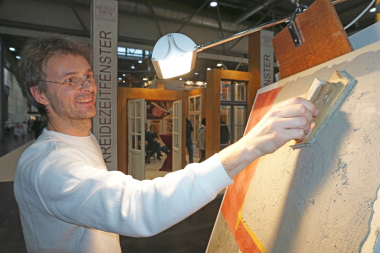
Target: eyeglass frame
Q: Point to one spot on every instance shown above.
(95, 77)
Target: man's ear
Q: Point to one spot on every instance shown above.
(39, 96)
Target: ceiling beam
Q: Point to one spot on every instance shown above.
(195, 13)
(43, 28)
(155, 18)
(77, 15)
(220, 27)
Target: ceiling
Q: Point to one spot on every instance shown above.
(20, 19)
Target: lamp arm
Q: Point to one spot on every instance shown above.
(249, 31)
(241, 34)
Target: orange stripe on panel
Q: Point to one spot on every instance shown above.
(235, 194)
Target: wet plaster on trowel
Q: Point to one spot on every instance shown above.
(319, 198)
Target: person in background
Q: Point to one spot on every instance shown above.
(8, 127)
(154, 144)
(201, 142)
(224, 133)
(37, 127)
(25, 127)
(189, 139)
(30, 124)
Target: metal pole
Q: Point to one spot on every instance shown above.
(241, 34)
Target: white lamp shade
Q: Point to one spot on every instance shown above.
(173, 55)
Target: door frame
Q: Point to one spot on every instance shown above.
(176, 165)
(123, 95)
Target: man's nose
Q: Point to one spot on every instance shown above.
(87, 85)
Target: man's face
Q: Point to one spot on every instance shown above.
(65, 102)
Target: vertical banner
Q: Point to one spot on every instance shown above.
(3, 106)
(266, 58)
(104, 62)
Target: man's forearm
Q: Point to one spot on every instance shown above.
(237, 157)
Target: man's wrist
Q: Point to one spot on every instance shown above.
(237, 157)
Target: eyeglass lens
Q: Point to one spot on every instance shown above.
(79, 82)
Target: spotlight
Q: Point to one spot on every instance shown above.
(140, 61)
(208, 69)
(174, 55)
(180, 79)
(214, 4)
(18, 57)
(133, 66)
(196, 74)
(123, 74)
(12, 49)
(119, 78)
(145, 79)
(372, 10)
(219, 65)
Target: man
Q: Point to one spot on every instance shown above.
(37, 129)
(189, 139)
(148, 140)
(68, 200)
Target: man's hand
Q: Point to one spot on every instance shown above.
(287, 121)
(158, 112)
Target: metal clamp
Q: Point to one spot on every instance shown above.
(294, 34)
(292, 26)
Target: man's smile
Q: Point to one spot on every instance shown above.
(85, 100)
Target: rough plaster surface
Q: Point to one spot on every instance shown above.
(320, 198)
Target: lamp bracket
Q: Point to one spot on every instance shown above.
(294, 34)
(292, 26)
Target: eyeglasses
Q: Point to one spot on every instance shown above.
(77, 83)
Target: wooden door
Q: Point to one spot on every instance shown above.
(136, 138)
(177, 135)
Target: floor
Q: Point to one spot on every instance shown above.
(152, 169)
(11, 142)
(189, 236)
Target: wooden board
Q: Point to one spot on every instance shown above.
(322, 35)
(319, 198)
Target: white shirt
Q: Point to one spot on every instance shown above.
(69, 202)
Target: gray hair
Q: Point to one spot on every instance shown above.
(34, 57)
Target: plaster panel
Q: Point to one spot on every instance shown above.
(319, 198)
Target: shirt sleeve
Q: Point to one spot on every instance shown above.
(78, 193)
